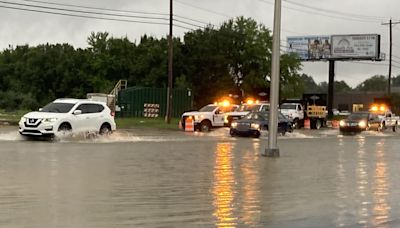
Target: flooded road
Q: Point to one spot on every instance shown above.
(145, 178)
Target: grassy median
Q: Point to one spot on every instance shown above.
(13, 117)
(157, 123)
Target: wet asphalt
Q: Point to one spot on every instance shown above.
(159, 178)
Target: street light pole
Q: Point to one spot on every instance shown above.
(273, 150)
(170, 58)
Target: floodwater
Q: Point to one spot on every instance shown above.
(146, 178)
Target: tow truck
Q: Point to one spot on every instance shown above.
(245, 108)
(387, 118)
(209, 116)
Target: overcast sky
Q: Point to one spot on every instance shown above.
(299, 17)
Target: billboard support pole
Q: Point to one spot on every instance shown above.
(273, 150)
(170, 65)
(331, 87)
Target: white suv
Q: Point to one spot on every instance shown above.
(68, 115)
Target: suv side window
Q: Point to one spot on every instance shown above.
(95, 108)
(84, 108)
(90, 108)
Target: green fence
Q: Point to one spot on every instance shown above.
(152, 102)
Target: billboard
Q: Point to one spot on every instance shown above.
(342, 47)
(365, 46)
(310, 48)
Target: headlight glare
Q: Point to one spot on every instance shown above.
(342, 123)
(255, 125)
(362, 124)
(234, 124)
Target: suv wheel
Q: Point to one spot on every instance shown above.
(64, 128)
(105, 129)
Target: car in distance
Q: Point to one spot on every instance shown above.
(360, 121)
(68, 116)
(253, 123)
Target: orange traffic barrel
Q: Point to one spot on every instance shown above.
(335, 123)
(306, 123)
(189, 124)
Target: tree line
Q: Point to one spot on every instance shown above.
(212, 62)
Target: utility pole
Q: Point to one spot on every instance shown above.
(391, 23)
(170, 58)
(273, 150)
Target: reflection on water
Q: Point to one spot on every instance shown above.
(380, 188)
(251, 181)
(341, 186)
(362, 182)
(223, 191)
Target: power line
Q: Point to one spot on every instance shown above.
(360, 16)
(85, 12)
(95, 8)
(335, 16)
(90, 17)
(115, 10)
(203, 9)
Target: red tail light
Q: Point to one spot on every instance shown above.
(112, 114)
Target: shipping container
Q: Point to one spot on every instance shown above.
(152, 102)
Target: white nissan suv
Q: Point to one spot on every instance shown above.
(68, 115)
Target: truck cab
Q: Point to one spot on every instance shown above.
(294, 112)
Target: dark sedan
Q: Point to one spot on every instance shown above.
(253, 123)
(360, 121)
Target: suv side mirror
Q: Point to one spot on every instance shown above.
(77, 112)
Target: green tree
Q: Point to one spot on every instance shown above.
(375, 83)
(237, 55)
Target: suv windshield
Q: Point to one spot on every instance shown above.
(57, 107)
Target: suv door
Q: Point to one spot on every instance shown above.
(87, 121)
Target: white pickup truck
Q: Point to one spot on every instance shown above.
(294, 112)
(209, 116)
(388, 119)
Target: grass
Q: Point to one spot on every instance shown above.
(13, 117)
(137, 122)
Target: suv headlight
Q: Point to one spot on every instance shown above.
(342, 123)
(234, 124)
(255, 126)
(362, 124)
(49, 120)
(22, 120)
